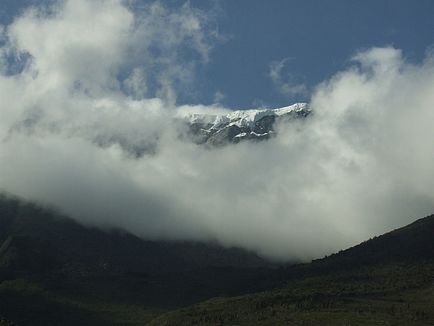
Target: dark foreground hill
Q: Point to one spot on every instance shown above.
(387, 280)
(54, 271)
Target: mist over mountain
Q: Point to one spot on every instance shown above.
(53, 270)
(90, 125)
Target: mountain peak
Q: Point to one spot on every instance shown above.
(238, 125)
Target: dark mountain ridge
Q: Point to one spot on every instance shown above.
(52, 260)
(387, 280)
(410, 244)
(28, 228)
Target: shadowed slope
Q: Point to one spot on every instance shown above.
(52, 268)
(387, 280)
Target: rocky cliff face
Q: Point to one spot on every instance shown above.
(218, 130)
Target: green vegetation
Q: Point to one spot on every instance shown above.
(388, 295)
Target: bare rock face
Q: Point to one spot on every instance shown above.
(219, 130)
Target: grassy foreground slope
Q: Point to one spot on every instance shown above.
(384, 281)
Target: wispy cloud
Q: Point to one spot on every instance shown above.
(285, 82)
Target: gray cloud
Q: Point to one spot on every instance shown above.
(359, 166)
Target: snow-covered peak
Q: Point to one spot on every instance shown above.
(234, 126)
(243, 118)
(297, 107)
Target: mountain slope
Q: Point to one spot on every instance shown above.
(53, 270)
(410, 244)
(384, 281)
(66, 241)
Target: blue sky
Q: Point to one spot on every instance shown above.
(318, 36)
(312, 39)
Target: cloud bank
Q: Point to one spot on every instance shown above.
(84, 84)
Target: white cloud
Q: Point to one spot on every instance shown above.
(359, 166)
(66, 45)
(380, 60)
(135, 84)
